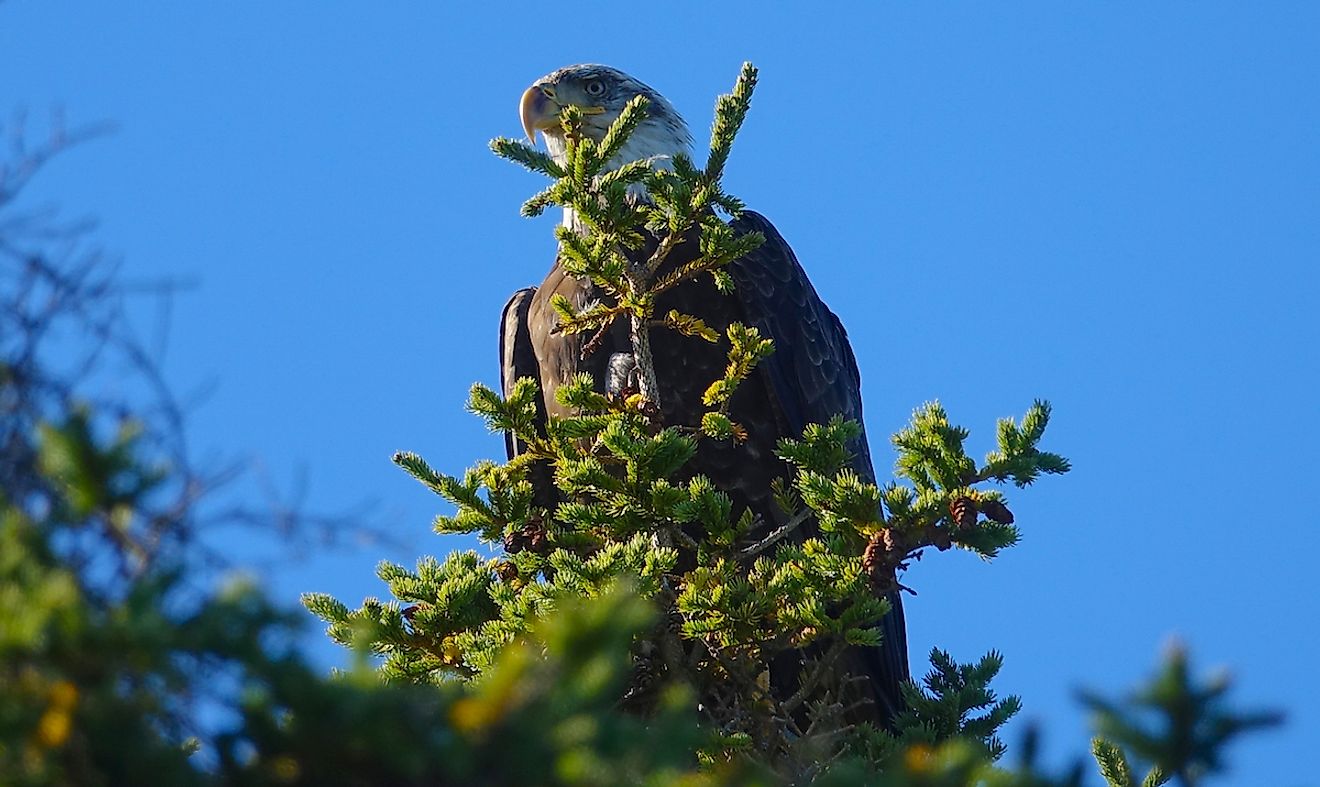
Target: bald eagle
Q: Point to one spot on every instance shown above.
(811, 376)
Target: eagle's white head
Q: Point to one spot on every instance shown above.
(601, 92)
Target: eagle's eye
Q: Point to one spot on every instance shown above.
(595, 88)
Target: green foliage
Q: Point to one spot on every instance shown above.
(1017, 457)
(932, 455)
(107, 480)
(730, 112)
(933, 458)
(557, 696)
(941, 710)
(739, 594)
(1180, 725)
(535, 160)
(1116, 770)
(95, 673)
(100, 689)
(746, 350)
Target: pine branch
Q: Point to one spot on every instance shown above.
(730, 112)
(1113, 763)
(630, 117)
(1179, 724)
(529, 157)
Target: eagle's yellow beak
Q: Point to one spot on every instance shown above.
(538, 110)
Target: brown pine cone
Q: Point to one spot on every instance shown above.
(882, 555)
(997, 512)
(515, 542)
(962, 512)
(873, 554)
(531, 536)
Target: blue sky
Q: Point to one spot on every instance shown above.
(1112, 209)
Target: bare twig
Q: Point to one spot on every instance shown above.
(24, 163)
(776, 535)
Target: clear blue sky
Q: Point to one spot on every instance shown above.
(1116, 210)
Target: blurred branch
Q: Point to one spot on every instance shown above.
(24, 161)
(68, 345)
(1177, 723)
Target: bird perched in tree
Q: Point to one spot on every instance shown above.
(811, 376)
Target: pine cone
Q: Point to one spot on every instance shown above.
(879, 560)
(997, 512)
(962, 512)
(506, 570)
(531, 536)
(873, 555)
(515, 542)
(646, 675)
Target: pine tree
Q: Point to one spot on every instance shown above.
(732, 597)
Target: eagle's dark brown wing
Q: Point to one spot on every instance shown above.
(517, 355)
(812, 376)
